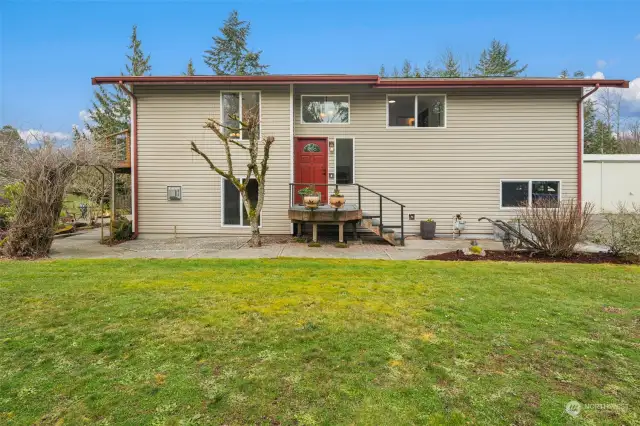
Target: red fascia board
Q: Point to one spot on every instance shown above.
(239, 79)
(500, 83)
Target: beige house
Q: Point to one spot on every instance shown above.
(438, 147)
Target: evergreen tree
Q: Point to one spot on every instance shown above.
(429, 70)
(451, 66)
(395, 74)
(190, 69)
(229, 54)
(383, 71)
(578, 74)
(495, 62)
(564, 73)
(406, 68)
(416, 72)
(110, 112)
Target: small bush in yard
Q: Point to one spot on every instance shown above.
(556, 226)
(622, 232)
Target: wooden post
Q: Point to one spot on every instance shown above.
(341, 232)
(315, 232)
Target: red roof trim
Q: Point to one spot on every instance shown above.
(242, 79)
(500, 82)
(373, 80)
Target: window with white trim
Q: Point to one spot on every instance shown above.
(239, 105)
(520, 193)
(344, 160)
(416, 111)
(233, 211)
(330, 109)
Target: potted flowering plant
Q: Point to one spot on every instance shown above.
(336, 200)
(310, 198)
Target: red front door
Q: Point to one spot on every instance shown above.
(310, 165)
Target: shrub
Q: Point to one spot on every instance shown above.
(8, 203)
(622, 231)
(556, 226)
(122, 230)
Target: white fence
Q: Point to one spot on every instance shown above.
(610, 179)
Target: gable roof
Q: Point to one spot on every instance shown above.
(369, 79)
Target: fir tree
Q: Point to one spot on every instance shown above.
(110, 112)
(190, 69)
(495, 62)
(383, 71)
(406, 68)
(229, 54)
(451, 66)
(416, 72)
(429, 70)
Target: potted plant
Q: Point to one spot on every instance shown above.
(310, 198)
(427, 229)
(336, 200)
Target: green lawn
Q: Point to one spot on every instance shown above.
(317, 342)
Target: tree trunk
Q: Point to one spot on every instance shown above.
(256, 239)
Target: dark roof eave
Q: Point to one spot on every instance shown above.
(373, 80)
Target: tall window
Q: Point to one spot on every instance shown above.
(233, 210)
(344, 160)
(519, 193)
(240, 105)
(416, 110)
(332, 109)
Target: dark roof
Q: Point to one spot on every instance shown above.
(369, 79)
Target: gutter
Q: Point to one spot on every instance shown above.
(581, 141)
(134, 154)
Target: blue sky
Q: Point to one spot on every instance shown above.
(50, 50)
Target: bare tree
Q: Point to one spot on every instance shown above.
(229, 136)
(44, 171)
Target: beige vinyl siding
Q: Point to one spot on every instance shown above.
(169, 117)
(438, 172)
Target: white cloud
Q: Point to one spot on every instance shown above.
(84, 115)
(33, 136)
(629, 98)
(637, 37)
(601, 63)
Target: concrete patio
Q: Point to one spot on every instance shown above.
(86, 245)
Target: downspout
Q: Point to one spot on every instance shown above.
(581, 142)
(134, 154)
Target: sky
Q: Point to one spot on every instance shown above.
(51, 49)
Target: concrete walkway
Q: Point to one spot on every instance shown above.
(86, 245)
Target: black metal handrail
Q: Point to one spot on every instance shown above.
(360, 188)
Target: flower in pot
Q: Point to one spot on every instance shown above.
(427, 229)
(310, 198)
(336, 200)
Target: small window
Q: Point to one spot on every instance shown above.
(325, 109)
(416, 110)
(515, 194)
(311, 147)
(545, 192)
(174, 193)
(239, 105)
(344, 161)
(232, 203)
(528, 192)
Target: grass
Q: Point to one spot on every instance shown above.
(317, 342)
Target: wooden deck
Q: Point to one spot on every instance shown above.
(326, 215)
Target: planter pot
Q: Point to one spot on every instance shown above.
(311, 201)
(336, 201)
(427, 230)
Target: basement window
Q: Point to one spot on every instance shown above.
(174, 193)
(522, 193)
(233, 211)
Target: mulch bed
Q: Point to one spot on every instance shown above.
(495, 255)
